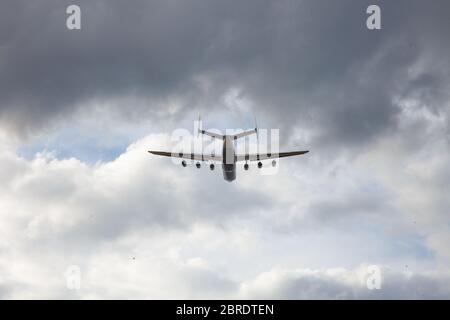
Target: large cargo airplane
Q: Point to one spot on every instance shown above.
(229, 158)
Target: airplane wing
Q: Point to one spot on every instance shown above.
(257, 157)
(190, 156)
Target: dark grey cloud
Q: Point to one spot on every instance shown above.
(311, 64)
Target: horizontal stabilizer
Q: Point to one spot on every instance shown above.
(245, 133)
(211, 134)
(261, 156)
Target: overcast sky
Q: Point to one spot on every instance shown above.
(80, 108)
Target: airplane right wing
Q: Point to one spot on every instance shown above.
(257, 157)
(190, 156)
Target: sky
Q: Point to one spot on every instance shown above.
(81, 200)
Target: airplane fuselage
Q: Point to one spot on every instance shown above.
(229, 159)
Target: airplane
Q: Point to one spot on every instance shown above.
(229, 158)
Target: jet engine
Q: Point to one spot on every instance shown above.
(198, 165)
(211, 166)
(260, 165)
(183, 163)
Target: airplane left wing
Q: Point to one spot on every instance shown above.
(257, 157)
(190, 156)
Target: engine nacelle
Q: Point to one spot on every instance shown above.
(246, 166)
(183, 163)
(211, 166)
(260, 165)
(198, 165)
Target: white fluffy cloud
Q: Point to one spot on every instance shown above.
(139, 226)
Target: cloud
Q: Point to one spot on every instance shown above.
(172, 232)
(79, 188)
(315, 61)
(344, 284)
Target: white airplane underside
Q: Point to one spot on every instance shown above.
(229, 158)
